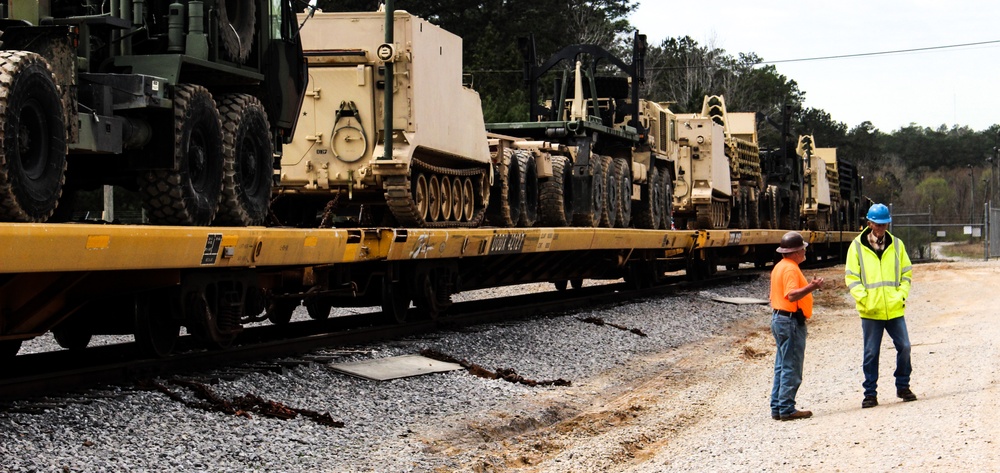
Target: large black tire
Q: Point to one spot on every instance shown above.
(623, 175)
(611, 193)
(236, 28)
(247, 163)
(505, 201)
(647, 212)
(556, 194)
(592, 217)
(529, 189)
(32, 138)
(189, 195)
(667, 200)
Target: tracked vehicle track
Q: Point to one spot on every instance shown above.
(411, 204)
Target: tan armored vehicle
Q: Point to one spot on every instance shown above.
(718, 168)
(817, 200)
(439, 170)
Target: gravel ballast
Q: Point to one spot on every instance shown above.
(386, 424)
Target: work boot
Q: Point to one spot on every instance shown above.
(906, 395)
(798, 415)
(870, 401)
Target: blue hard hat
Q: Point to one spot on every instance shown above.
(879, 213)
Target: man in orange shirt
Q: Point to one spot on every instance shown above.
(791, 301)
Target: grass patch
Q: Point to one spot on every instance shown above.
(963, 250)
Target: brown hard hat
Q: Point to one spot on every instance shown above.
(792, 242)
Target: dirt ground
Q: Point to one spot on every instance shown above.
(704, 407)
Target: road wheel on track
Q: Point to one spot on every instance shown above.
(623, 177)
(190, 195)
(468, 200)
(247, 161)
(555, 202)
(591, 217)
(32, 138)
(648, 211)
(237, 28)
(156, 330)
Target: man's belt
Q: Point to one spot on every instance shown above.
(784, 312)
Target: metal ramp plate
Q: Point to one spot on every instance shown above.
(404, 366)
(740, 300)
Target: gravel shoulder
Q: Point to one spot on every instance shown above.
(704, 406)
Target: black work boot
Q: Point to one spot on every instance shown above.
(870, 401)
(906, 395)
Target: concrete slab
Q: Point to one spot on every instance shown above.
(404, 366)
(740, 300)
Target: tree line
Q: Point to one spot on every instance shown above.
(917, 168)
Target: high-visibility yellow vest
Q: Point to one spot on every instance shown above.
(879, 286)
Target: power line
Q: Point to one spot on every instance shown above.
(805, 59)
(881, 53)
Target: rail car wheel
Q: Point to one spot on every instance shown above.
(156, 330)
(236, 28)
(591, 217)
(32, 138)
(72, 338)
(215, 320)
(529, 189)
(555, 201)
(561, 285)
(577, 283)
(279, 310)
(319, 307)
(395, 300)
(189, 195)
(9, 349)
(623, 176)
(648, 210)
(247, 161)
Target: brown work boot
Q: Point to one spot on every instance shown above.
(798, 415)
(906, 395)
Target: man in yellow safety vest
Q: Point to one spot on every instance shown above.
(879, 273)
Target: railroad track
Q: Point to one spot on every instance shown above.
(64, 376)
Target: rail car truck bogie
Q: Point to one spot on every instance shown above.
(129, 94)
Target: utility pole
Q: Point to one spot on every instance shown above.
(972, 197)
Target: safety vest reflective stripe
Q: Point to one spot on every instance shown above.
(861, 262)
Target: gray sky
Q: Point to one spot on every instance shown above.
(929, 88)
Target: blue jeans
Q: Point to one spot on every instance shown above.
(872, 332)
(790, 343)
